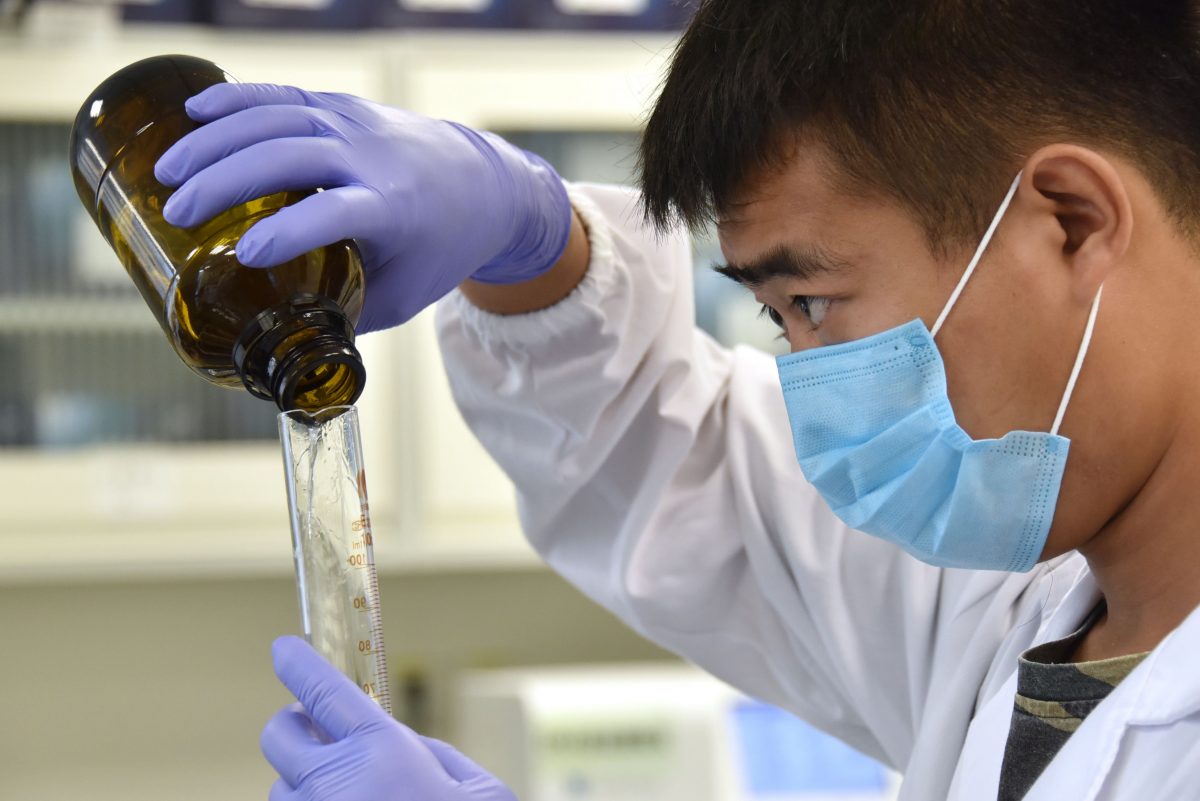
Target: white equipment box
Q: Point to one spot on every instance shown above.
(638, 733)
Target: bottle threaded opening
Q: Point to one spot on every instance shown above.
(301, 355)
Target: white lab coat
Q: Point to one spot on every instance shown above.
(655, 471)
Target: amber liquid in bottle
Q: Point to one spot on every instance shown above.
(285, 333)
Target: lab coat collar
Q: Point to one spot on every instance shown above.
(978, 772)
(1169, 679)
(1073, 606)
(1164, 688)
(1172, 687)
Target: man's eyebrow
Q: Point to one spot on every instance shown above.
(784, 262)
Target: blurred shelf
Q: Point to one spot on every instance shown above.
(495, 79)
(141, 554)
(540, 81)
(63, 315)
(70, 64)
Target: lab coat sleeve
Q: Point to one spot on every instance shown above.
(654, 470)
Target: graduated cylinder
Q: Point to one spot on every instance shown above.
(332, 544)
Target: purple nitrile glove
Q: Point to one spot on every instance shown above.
(430, 203)
(371, 756)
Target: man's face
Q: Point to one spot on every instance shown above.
(831, 268)
(835, 268)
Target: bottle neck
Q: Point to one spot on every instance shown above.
(301, 355)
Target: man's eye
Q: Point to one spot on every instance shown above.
(771, 315)
(814, 308)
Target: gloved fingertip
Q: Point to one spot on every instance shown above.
(177, 210)
(283, 647)
(171, 169)
(196, 107)
(165, 173)
(207, 106)
(254, 251)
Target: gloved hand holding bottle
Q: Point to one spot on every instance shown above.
(365, 755)
(430, 203)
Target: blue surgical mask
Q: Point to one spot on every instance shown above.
(875, 435)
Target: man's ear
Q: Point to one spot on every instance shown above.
(1090, 201)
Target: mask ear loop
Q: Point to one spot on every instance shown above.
(987, 237)
(1083, 349)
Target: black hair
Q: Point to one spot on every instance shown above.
(934, 103)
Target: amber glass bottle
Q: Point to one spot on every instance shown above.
(286, 333)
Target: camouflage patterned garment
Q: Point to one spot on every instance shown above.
(1053, 698)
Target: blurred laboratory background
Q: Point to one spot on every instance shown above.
(145, 561)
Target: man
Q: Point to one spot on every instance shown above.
(928, 197)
